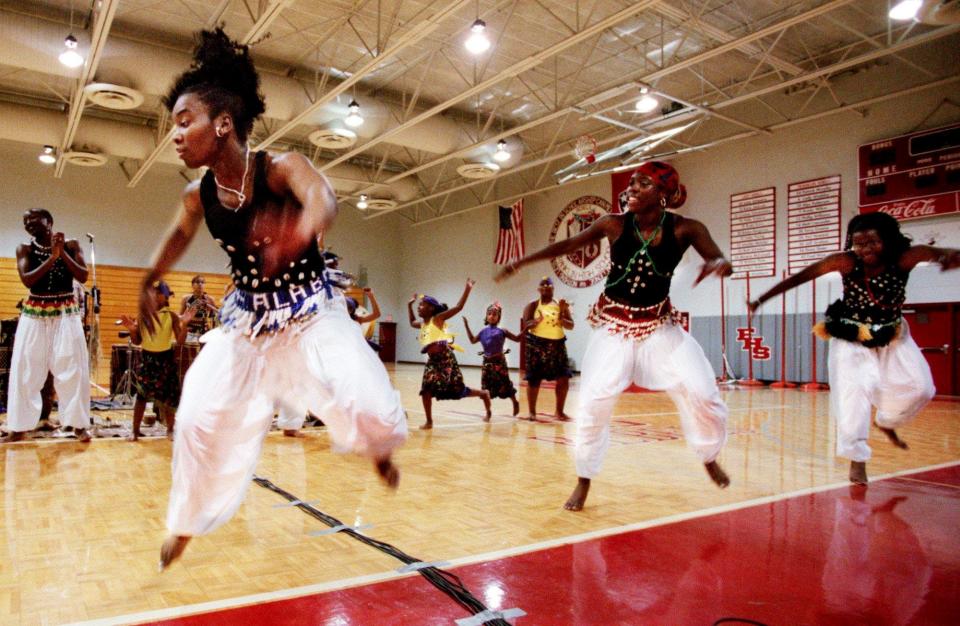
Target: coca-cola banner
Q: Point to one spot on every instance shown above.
(911, 176)
(813, 221)
(753, 227)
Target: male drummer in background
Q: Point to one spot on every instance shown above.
(50, 332)
(204, 307)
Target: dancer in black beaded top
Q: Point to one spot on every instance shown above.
(873, 359)
(284, 329)
(49, 334)
(637, 337)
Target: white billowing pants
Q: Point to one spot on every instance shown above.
(895, 378)
(55, 345)
(228, 401)
(290, 414)
(668, 360)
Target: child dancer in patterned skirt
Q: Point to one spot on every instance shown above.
(442, 378)
(495, 377)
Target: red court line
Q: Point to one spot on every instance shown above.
(886, 554)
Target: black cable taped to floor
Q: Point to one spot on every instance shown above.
(446, 582)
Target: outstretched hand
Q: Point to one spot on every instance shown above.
(719, 266)
(950, 260)
(509, 270)
(470, 283)
(753, 305)
(129, 323)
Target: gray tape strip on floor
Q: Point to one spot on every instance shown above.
(336, 529)
(418, 565)
(486, 616)
(294, 503)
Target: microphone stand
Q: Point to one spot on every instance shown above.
(93, 343)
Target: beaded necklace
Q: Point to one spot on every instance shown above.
(644, 244)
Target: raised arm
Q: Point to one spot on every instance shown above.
(839, 262)
(473, 338)
(174, 244)
(373, 315)
(441, 317)
(947, 258)
(607, 226)
(413, 318)
(133, 328)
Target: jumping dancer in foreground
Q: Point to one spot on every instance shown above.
(283, 330)
(873, 359)
(495, 376)
(637, 337)
(442, 378)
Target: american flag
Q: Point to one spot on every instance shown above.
(510, 241)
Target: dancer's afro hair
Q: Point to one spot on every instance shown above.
(223, 77)
(895, 243)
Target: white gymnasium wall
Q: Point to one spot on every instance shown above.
(437, 257)
(129, 223)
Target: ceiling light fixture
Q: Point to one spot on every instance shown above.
(362, 203)
(353, 119)
(646, 103)
(477, 42)
(501, 154)
(905, 10)
(70, 57)
(48, 156)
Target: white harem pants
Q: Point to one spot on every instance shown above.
(230, 393)
(55, 345)
(895, 378)
(668, 360)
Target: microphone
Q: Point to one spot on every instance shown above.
(90, 237)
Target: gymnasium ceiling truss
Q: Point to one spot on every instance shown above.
(556, 70)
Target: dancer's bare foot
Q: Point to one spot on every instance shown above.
(170, 435)
(717, 474)
(894, 438)
(388, 472)
(293, 432)
(485, 396)
(579, 495)
(13, 437)
(426, 426)
(83, 435)
(171, 550)
(562, 417)
(135, 436)
(516, 405)
(529, 417)
(858, 472)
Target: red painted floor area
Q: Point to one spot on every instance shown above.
(883, 555)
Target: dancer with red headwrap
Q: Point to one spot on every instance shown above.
(637, 337)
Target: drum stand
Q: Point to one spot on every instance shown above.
(124, 398)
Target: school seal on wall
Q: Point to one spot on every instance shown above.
(589, 264)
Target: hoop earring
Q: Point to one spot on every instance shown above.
(219, 131)
(663, 202)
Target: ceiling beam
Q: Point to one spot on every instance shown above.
(417, 33)
(515, 69)
(103, 19)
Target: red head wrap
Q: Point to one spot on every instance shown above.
(667, 181)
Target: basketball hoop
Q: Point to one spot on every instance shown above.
(586, 148)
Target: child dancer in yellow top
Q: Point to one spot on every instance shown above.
(442, 378)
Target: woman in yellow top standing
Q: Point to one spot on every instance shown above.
(442, 378)
(157, 378)
(545, 350)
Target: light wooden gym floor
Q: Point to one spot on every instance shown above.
(83, 523)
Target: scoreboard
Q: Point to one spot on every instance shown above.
(912, 176)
